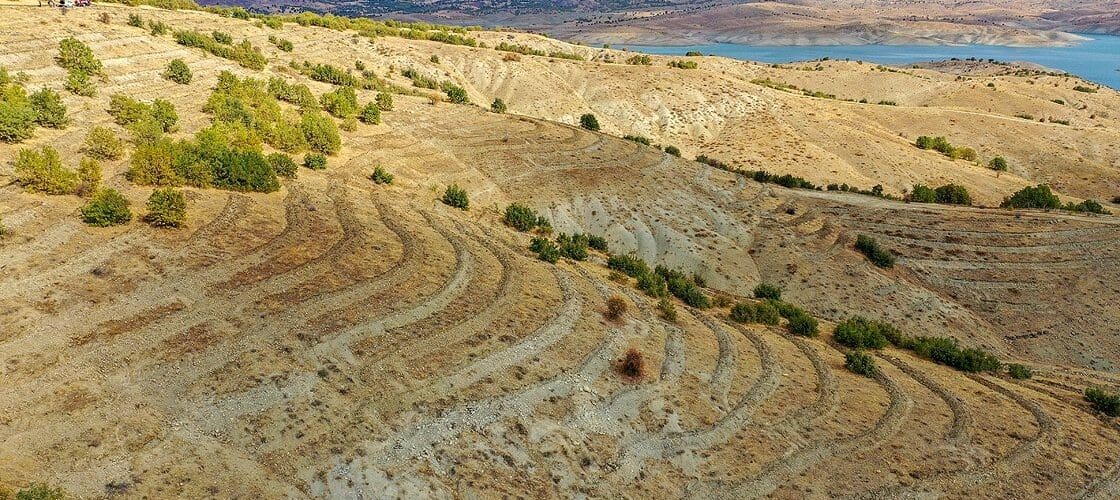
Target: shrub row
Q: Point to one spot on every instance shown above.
(1041, 197)
(942, 145)
(876, 254)
(243, 53)
(861, 333)
(523, 218)
(949, 194)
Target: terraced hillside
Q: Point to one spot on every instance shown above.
(339, 338)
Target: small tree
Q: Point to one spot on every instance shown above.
(178, 72)
(998, 164)
(456, 196)
(321, 133)
(102, 144)
(89, 177)
(1103, 401)
(135, 21)
(878, 255)
(498, 106)
(953, 194)
(49, 110)
(381, 176)
(80, 83)
(589, 122)
(167, 207)
(922, 194)
(455, 93)
(222, 38)
(371, 114)
(1038, 196)
(520, 217)
(107, 208)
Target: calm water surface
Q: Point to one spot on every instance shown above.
(1097, 60)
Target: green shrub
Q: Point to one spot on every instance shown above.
(107, 208)
(684, 288)
(638, 139)
(639, 60)
(668, 310)
(281, 43)
(1089, 206)
(953, 194)
(371, 114)
(178, 72)
(456, 196)
(653, 284)
(598, 243)
(521, 217)
(167, 207)
(628, 264)
(1103, 401)
(803, 324)
(297, 94)
(455, 93)
(683, 64)
(1032, 197)
(767, 291)
(75, 55)
(49, 110)
(673, 150)
(1087, 90)
(321, 133)
(222, 38)
(1019, 372)
(17, 117)
(158, 28)
(858, 332)
(80, 83)
(922, 194)
(589, 122)
(349, 124)
(152, 164)
(763, 313)
(135, 21)
(860, 363)
(243, 170)
(244, 53)
(498, 106)
(545, 249)
(40, 491)
(573, 247)
(341, 102)
(946, 351)
(315, 161)
(42, 172)
(877, 255)
(127, 111)
(998, 164)
(385, 101)
(89, 177)
(381, 176)
(283, 165)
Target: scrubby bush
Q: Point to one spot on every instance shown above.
(178, 72)
(107, 208)
(946, 351)
(667, 309)
(684, 288)
(633, 365)
(455, 93)
(763, 313)
(341, 102)
(281, 43)
(628, 264)
(922, 194)
(371, 114)
(385, 101)
(49, 110)
(858, 332)
(135, 21)
(167, 207)
(244, 53)
(1019, 372)
(3, 229)
(41, 171)
(803, 324)
(1038, 196)
(998, 164)
(350, 124)
(598, 243)
(1103, 401)
(77, 56)
(638, 139)
(283, 165)
(653, 284)
(573, 247)
(158, 28)
(953, 194)
(297, 94)
(17, 117)
(545, 249)
(315, 161)
(639, 60)
(876, 254)
(521, 217)
(767, 291)
(321, 133)
(243, 170)
(683, 64)
(673, 150)
(456, 196)
(381, 176)
(222, 37)
(127, 111)
(860, 363)
(498, 106)
(589, 122)
(89, 177)
(616, 307)
(80, 83)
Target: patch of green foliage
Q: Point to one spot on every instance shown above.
(315, 161)
(243, 53)
(767, 291)
(589, 122)
(1038, 196)
(107, 208)
(41, 171)
(498, 106)
(860, 363)
(545, 249)
(381, 176)
(167, 207)
(1103, 401)
(684, 287)
(762, 313)
(456, 196)
(523, 218)
(878, 255)
(178, 72)
(341, 102)
(455, 93)
(50, 112)
(573, 247)
(283, 165)
(102, 143)
(683, 64)
(371, 114)
(1019, 372)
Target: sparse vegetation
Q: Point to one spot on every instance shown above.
(456, 196)
(38, 491)
(167, 207)
(371, 114)
(281, 43)
(943, 146)
(135, 21)
(998, 164)
(638, 139)
(860, 363)
(684, 288)
(81, 66)
(283, 165)
(1087, 90)
(589, 122)
(89, 177)
(762, 313)
(107, 208)
(498, 106)
(157, 28)
(878, 255)
(1019, 372)
(683, 64)
(178, 72)
(639, 60)
(545, 249)
(667, 309)
(222, 37)
(673, 150)
(385, 101)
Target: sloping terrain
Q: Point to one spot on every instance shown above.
(342, 339)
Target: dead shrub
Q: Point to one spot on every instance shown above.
(633, 365)
(616, 307)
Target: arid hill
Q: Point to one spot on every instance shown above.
(342, 338)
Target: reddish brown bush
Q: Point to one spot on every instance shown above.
(633, 365)
(616, 307)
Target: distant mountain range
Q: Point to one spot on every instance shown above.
(790, 22)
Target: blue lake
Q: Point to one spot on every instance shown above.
(1097, 60)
